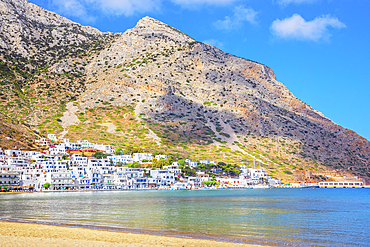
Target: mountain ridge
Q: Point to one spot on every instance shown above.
(158, 88)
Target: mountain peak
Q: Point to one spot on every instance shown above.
(149, 21)
(150, 25)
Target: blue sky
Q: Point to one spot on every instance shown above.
(320, 49)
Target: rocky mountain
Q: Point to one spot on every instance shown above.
(155, 88)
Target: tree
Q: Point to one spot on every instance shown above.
(221, 164)
(46, 185)
(135, 165)
(211, 183)
(154, 162)
(162, 162)
(118, 151)
(182, 163)
(100, 155)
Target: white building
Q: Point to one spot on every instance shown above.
(233, 182)
(133, 173)
(33, 177)
(53, 164)
(70, 145)
(207, 162)
(78, 160)
(96, 179)
(43, 142)
(191, 164)
(83, 183)
(274, 182)
(30, 154)
(174, 168)
(9, 178)
(13, 153)
(101, 165)
(61, 180)
(194, 181)
(254, 176)
(167, 178)
(105, 148)
(120, 177)
(108, 181)
(86, 144)
(139, 157)
(141, 183)
(78, 171)
(17, 163)
(120, 159)
(58, 150)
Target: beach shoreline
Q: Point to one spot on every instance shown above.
(37, 234)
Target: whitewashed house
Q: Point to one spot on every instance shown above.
(96, 178)
(13, 153)
(167, 178)
(70, 145)
(134, 173)
(101, 165)
(105, 148)
(140, 157)
(78, 160)
(141, 183)
(61, 180)
(83, 182)
(32, 177)
(9, 178)
(43, 142)
(233, 182)
(58, 150)
(174, 168)
(120, 178)
(207, 162)
(17, 163)
(191, 164)
(120, 159)
(54, 165)
(108, 181)
(29, 154)
(194, 181)
(78, 171)
(86, 144)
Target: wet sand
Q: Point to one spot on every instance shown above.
(25, 234)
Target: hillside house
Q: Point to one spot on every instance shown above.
(139, 157)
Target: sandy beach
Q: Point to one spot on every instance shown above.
(25, 234)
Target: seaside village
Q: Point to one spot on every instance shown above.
(65, 166)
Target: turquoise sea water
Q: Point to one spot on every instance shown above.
(313, 217)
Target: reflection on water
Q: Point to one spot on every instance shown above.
(311, 217)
